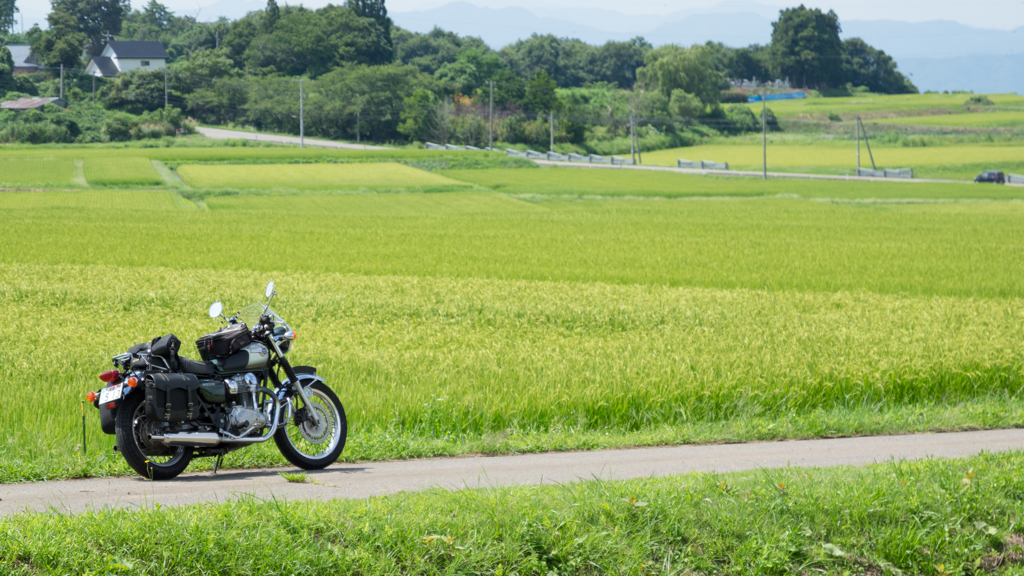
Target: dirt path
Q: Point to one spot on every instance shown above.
(366, 479)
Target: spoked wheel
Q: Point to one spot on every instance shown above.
(151, 459)
(314, 446)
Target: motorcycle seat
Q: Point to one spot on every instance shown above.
(197, 368)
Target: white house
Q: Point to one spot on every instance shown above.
(124, 56)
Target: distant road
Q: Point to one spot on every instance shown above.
(221, 134)
(367, 479)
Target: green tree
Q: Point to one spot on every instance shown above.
(806, 47)
(684, 105)
(691, 69)
(540, 93)
(867, 66)
(62, 43)
(469, 71)
(616, 62)
(749, 63)
(430, 51)
(509, 90)
(95, 18)
(376, 11)
(271, 15)
(417, 115)
(7, 81)
(8, 8)
(569, 62)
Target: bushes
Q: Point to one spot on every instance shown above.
(85, 122)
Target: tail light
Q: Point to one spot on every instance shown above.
(91, 397)
(110, 376)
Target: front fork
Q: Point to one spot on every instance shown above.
(293, 380)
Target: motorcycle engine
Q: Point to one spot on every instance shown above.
(243, 413)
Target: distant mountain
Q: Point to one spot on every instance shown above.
(984, 73)
(938, 39)
(500, 26)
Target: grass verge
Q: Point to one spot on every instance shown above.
(941, 517)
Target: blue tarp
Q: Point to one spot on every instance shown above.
(788, 96)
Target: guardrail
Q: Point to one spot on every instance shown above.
(886, 173)
(1014, 179)
(702, 165)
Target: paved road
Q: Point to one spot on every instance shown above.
(221, 134)
(368, 479)
(702, 172)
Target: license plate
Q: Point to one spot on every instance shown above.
(110, 394)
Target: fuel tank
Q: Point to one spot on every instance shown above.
(252, 357)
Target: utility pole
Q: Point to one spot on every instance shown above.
(166, 104)
(632, 139)
(302, 119)
(358, 114)
(93, 88)
(764, 135)
(867, 142)
(551, 126)
(490, 131)
(61, 81)
(857, 126)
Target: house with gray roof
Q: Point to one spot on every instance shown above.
(24, 61)
(120, 57)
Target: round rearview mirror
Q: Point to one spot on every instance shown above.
(270, 288)
(215, 309)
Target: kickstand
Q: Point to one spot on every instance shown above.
(216, 463)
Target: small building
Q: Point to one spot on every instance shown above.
(120, 57)
(24, 61)
(31, 103)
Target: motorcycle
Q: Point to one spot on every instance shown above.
(166, 409)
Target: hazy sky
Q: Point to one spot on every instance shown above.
(1001, 14)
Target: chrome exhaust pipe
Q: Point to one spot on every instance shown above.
(204, 439)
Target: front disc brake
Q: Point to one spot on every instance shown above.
(315, 433)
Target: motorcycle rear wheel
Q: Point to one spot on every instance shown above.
(314, 447)
(150, 460)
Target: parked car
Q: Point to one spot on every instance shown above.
(993, 176)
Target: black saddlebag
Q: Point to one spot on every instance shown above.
(224, 342)
(172, 397)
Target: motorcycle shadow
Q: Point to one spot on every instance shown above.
(242, 474)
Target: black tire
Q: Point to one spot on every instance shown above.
(291, 432)
(156, 462)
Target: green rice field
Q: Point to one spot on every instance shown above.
(604, 182)
(126, 171)
(959, 162)
(870, 104)
(311, 176)
(37, 172)
(994, 119)
(529, 319)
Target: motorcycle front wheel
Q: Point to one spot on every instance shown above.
(150, 459)
(314, 446)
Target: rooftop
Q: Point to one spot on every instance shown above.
(138, 49)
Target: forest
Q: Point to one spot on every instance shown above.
(363, 78)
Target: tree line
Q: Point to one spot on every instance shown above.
(367, 77)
